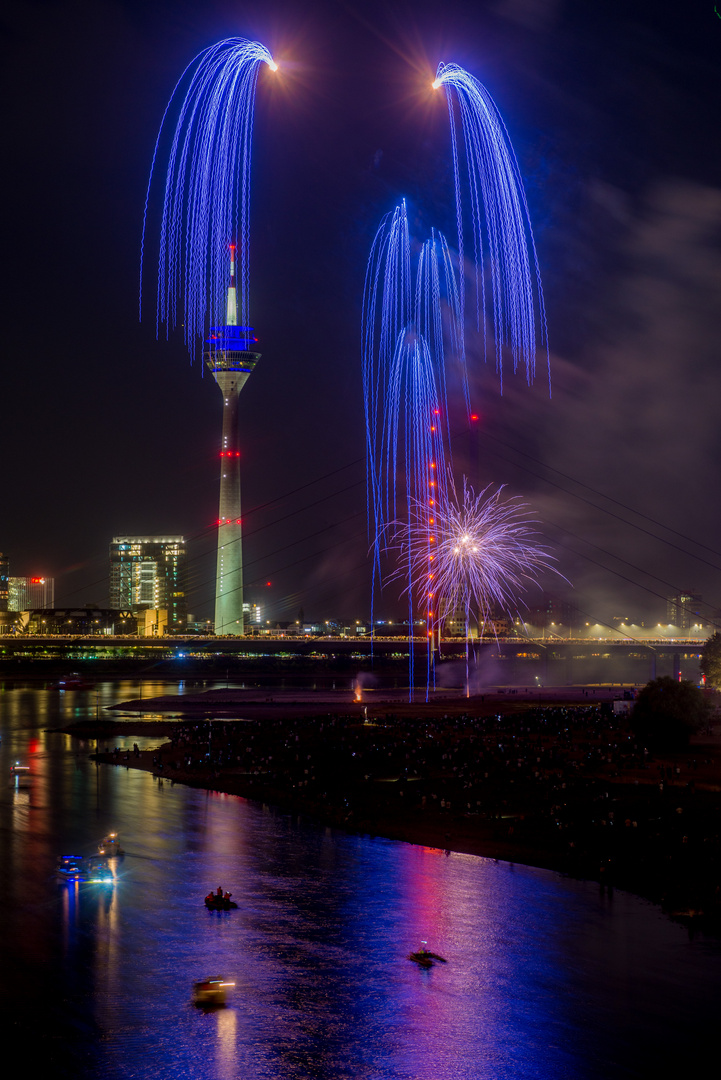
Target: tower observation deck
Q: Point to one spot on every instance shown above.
(230, 356)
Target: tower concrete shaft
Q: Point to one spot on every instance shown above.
(230, 358)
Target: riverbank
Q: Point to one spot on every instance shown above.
(366, 703)
(563, 787)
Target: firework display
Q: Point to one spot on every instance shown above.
(500, 226)
(207, 188)
(474, 555)
(469, 557)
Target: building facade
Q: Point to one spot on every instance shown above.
(80, 622)
(149, 572)
(252, 615)
(684, 609)
(30, 593)
(4, 581)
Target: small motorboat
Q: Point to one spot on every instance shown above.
(98, 872)
(214, 902)
(211, 992)
(70, 868)
(20, 775)
(73, 868)
(424, 958)
(110, 847)
(74, 682)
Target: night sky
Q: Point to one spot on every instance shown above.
(613, 110)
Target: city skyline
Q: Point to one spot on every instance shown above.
(612, 119)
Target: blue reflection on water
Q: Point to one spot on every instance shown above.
(545, 977)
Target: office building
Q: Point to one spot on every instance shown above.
(77, 622)
(4, 581)
(30, 593)
(149, 572)
(684, 609)
(252, 615)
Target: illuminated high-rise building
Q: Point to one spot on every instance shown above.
(149, 572)
(252, 615)
(30, 593)
(230, 357)
(683, 610)
(4, 581)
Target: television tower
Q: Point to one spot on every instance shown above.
(230, 357)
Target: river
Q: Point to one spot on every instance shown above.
(546, 977)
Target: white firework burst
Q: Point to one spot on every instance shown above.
(473, 555)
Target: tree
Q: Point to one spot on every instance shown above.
(667, 712)
(711, 661)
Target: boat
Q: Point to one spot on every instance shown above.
(20, 775)
(213, 902)
(424, 958)
(98, 872)
(421, 959)
(70, 868)
(110, 847)
(95, 871)
(211, 992)
(74, 682)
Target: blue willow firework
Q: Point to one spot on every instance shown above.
(407, 327)
(499, 221)
(404, 338)
(207, 188)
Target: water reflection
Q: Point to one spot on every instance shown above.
(545, 977)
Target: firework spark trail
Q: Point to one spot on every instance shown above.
(406, 333)
(207, 188)
(496, 196)
(388, 277)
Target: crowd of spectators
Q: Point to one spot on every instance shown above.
(570, 784)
